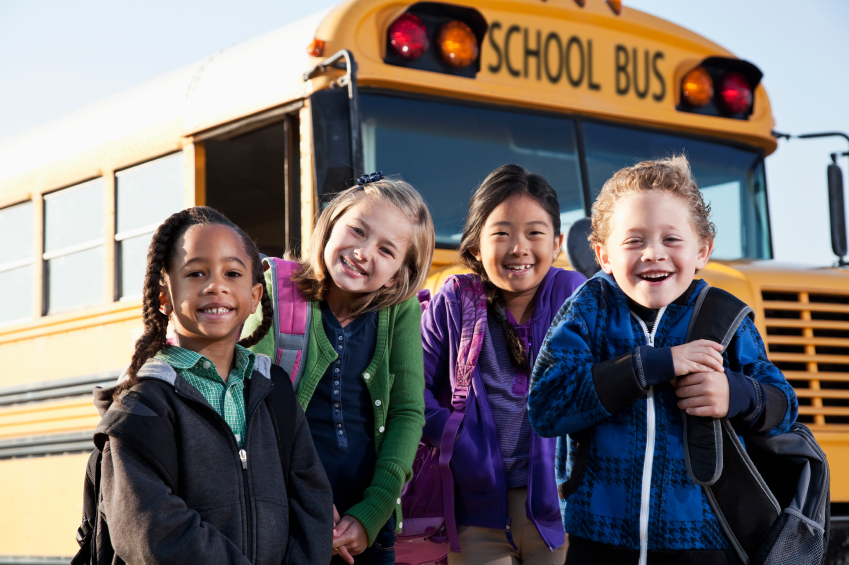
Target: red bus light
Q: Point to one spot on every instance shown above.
(735, 93)
(457, 44)
(408, 36)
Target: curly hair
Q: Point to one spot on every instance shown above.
(671, 175)
(502, 184)
(313, 279)
(160, 255)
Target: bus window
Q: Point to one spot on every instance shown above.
(73, 247)
(731, 178)
(246, 181)
(445, 150)
(16, 239)
(145, 195)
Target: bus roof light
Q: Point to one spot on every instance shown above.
(408, 36)
(735, 92)
(616, 6)
(697, 87)
(457, 44)
(316, 48)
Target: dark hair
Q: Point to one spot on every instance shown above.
(502, 184)
(160, 254)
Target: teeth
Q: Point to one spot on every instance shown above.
(517, 268)
(216, 310)
(655, 276)
(353, 267)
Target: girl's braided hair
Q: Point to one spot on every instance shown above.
(504, 183)
(160, 254)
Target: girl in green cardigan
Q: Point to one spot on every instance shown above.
(362, 381)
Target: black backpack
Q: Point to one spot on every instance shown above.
(93, 534)
(771, 496)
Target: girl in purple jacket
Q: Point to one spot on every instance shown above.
(506, 502)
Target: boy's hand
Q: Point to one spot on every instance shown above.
(349, 537)
(703, 394)
(697, 356)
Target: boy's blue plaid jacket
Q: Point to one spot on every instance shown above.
(586, 390)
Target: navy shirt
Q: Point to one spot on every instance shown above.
(340, 414)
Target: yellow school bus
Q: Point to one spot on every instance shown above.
(438, 92)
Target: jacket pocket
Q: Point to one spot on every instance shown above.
(579, 457)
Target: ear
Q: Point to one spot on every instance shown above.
(558, 247)
(704, 255)
(476, 252)
(165, 303)
(256, 296)
(603, 258)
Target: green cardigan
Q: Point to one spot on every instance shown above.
(395, 381)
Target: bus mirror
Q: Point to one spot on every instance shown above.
(836, 208)
(578, 248)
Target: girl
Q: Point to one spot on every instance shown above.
(506, 498)
(362, 377)
(614, 374)
(192, 472)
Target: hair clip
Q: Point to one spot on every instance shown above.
(365, 179)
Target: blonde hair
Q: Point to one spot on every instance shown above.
(313, 279)
(671, 175)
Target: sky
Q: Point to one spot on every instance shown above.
(60, 55)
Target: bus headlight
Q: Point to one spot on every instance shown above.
(457, 44)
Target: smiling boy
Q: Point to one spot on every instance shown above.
(615, 372)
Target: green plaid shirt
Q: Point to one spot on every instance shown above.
(228, 399)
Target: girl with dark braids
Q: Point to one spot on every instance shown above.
(201, 462)
(506, 502)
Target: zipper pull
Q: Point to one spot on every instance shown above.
(243, 455)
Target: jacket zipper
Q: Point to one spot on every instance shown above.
(645, 494)
(243, 458)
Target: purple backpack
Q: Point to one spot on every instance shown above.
(427, 502)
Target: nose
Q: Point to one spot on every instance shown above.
(218, 284)
(519, 247)
(653, 252)
(363, 253)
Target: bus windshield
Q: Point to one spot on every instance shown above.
(446, 149)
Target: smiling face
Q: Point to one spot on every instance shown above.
(209, 287)
(518, 246)
(652, 250)
(366, 248)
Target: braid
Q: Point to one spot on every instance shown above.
(267, 317)
(514, 344)
(160, 254)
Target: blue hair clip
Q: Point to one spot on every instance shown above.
(365, 179)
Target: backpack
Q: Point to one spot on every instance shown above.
(291, 317)
(771, 496)
(93, 534)
(427, 501)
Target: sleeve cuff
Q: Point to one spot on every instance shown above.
(616, 383)
(653, 365)
(745, 400)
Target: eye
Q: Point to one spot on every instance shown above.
(672, 239)
(194, 274)
(631, 241)
(387, 252)
(234, 274)
(357, 230)
(500, 233)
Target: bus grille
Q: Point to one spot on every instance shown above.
(807, 337)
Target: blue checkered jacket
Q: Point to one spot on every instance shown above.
(586, 391)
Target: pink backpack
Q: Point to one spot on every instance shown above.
(291, 317)
(427, 501)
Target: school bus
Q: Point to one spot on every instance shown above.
(438, 92)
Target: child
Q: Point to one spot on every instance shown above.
(614, 374)
(362, 380)
(506, 497)
(214, 491)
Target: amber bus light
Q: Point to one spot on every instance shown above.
(735, 93)
(408, 36)
(457, 44)
(697, 87)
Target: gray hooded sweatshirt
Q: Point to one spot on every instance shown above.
(175, 489)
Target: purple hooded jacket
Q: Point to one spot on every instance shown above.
(480, 484)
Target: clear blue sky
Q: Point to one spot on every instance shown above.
(60, 55)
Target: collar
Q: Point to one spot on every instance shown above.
(184, 359)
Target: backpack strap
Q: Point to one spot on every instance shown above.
(716, 459)
(470, 290)
(291, 317)
(716, 316)
(281, 403)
